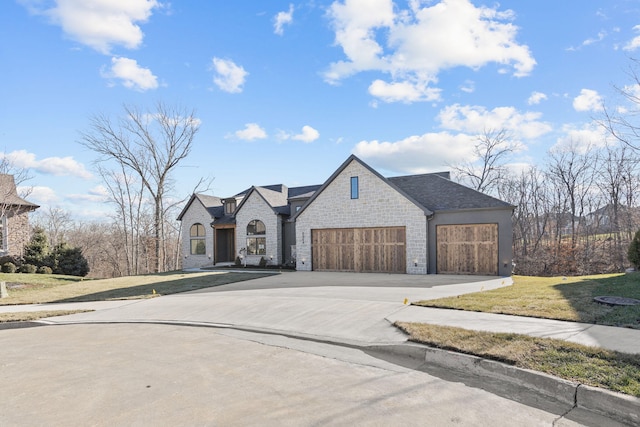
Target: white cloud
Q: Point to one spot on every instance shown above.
(59, 166)
(308, 134)
(430, 152)
(403, 91)
(581, 138)
(39, 194)
(588, 100)
(251, 132)
(413, 51)
(634, 43)
(229, 76)
(282, 19)
(131, 74)
(99, 24)
(98, 194)
(536, 98)
(476, 119)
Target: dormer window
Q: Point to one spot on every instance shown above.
(229, 206)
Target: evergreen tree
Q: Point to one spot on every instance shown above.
(70, 261)
(36, 252)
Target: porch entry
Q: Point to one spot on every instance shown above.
(225, 244)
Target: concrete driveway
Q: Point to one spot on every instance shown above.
(339, 307)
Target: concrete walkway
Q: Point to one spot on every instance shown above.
(349, 308)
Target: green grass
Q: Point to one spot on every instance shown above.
(596, 367)
(39, 288)
(561, 298)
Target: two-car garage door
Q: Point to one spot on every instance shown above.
(460, 249)
(379, 250)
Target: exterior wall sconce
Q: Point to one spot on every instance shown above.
(271, 258)
(209, 256)
(415, 262)
(303, 260)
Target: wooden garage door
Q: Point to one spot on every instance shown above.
(467, 249)
(366, 250)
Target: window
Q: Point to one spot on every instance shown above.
(256, 245)
(354, 187)
(229, 206)
(197, 239)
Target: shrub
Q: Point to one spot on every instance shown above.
(8, 267)
(28, 268)
(44, 270)
(262, 263)
(37, 250)
(70, 261)
(634, 251)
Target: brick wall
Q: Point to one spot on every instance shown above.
(255, 207)
(196, 214)
(18, 232)
(378, 205)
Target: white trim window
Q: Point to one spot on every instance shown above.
(4, 240)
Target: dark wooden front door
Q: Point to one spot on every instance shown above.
(225, 244)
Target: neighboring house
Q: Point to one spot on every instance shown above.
(359, 221)
(14, 218)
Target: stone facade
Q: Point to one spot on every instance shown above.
(378, 205)
(254, 207)
(18, 232)
(196, 214)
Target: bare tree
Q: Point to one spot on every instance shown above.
(149, 145)
(491, 151)
(621, 123)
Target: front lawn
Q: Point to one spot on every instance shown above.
(586, 365)
(561, 298)
(40, 288)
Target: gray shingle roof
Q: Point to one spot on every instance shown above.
(437, 193)
(9, 194)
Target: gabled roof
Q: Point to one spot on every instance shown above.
(437, 193)
(211, 203)
(342, 167)
(9, 194)
(431, 192)
(277, 200)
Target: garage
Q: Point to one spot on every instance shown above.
(467, 249)
(363, 250)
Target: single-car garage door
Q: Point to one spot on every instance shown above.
(467, 249)
(366, 250)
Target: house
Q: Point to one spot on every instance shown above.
(252, 225)
(14, 218)
(357, 221)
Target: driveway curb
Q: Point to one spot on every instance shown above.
(616, 406)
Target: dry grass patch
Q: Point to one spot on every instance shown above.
(561, 298)
(28, 316)
(37, 288)
(587, 365)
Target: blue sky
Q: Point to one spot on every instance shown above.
(286, 91)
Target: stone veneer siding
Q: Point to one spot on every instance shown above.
(378, 205)
(255, 207)
(18, 232)
(196, 214)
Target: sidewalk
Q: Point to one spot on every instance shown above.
(613, 338)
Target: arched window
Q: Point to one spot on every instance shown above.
(197, 235)
(256, 240)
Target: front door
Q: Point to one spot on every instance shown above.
(225, 247)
